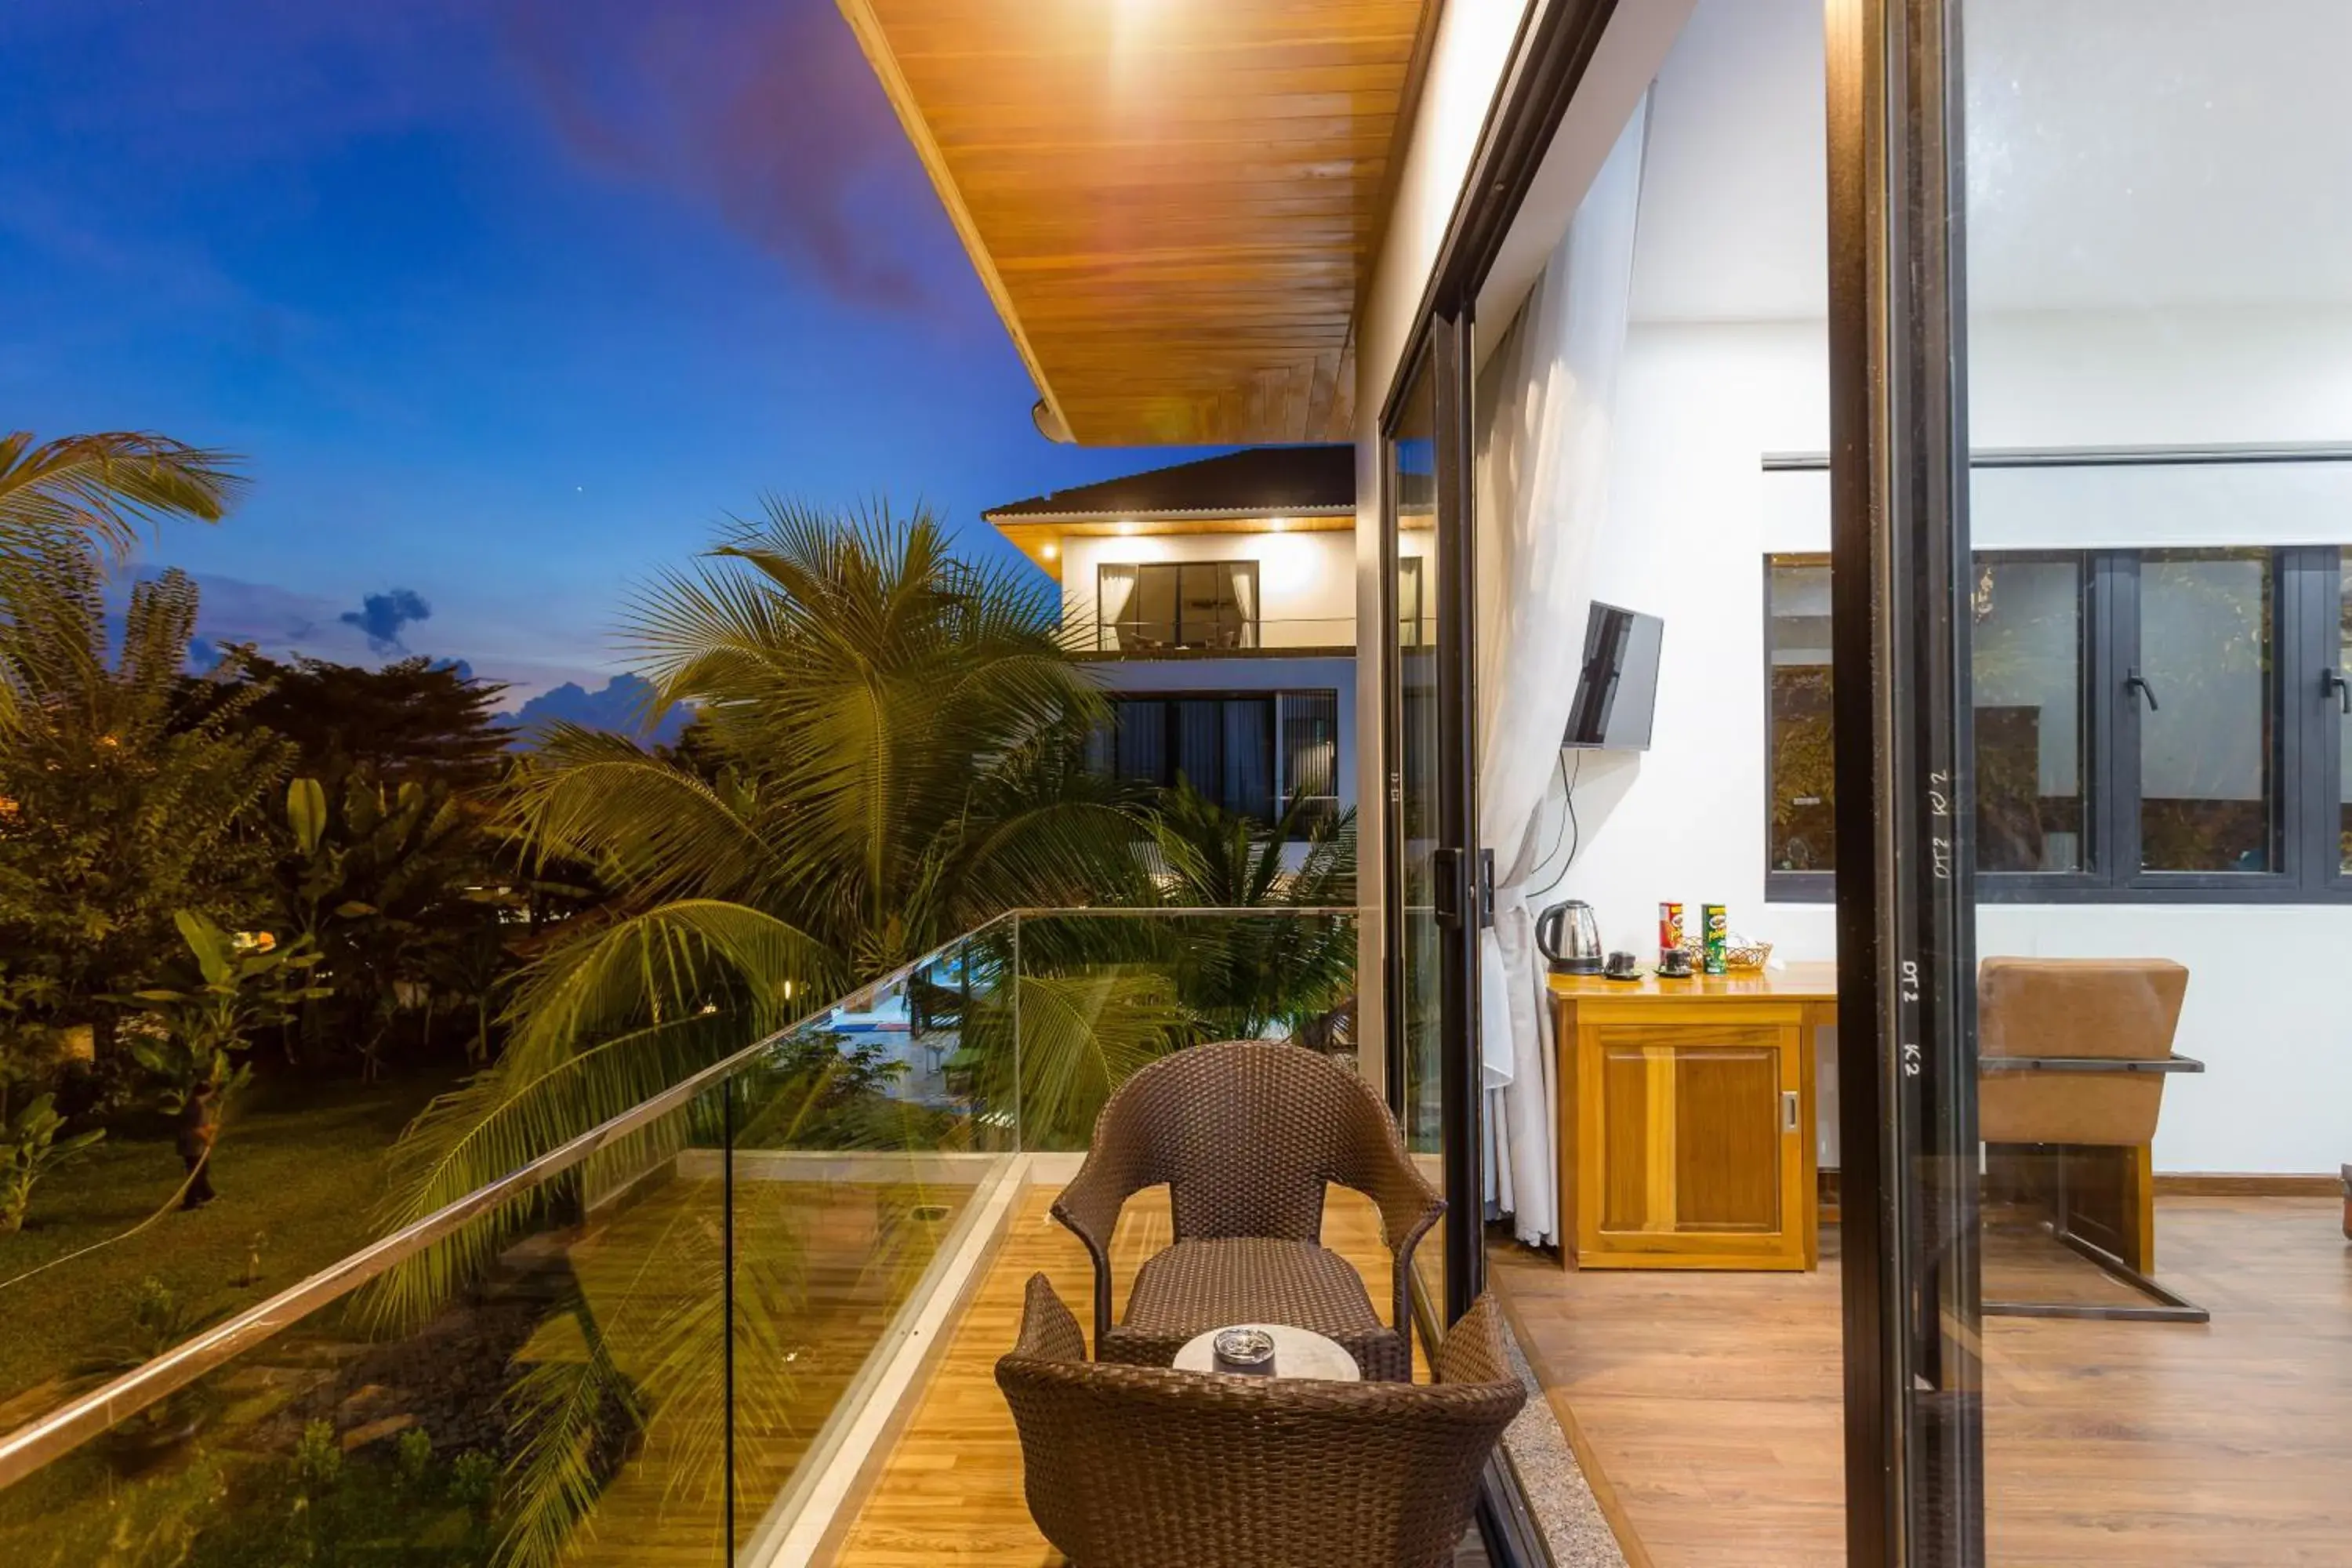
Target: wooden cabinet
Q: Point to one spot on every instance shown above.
(1686, 1121)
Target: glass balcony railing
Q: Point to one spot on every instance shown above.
(1230, 638)
(674, 1337)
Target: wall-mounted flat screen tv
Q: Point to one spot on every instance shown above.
(1617, 692)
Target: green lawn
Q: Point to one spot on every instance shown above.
(299, 1170)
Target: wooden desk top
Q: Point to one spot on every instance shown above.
(1798, 983)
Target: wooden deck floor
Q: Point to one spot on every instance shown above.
(950, 1491)
(1706, 1407)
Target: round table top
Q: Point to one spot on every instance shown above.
(1297, 1352)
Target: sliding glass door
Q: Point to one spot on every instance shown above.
(1433, 928)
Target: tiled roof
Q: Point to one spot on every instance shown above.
(1257, 481)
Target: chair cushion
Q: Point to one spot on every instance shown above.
(1196, 1286)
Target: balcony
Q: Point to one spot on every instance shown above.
(752, 1320)
(1222, 638)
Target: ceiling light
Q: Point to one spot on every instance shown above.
(1050, 551)
(1126, 528)
(1278, 524)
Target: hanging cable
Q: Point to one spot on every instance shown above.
(1570, 827)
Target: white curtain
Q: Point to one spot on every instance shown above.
(1114, 586)
(1544, 471)
(1242, 577)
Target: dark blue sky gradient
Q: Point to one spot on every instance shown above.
(507, 302)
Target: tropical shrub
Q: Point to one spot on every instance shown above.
(394, 888)
(29, 1150)
(121, 799)
(204, 1019)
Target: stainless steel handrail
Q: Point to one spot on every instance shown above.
(60, 1431)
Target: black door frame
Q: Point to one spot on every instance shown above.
(1442, 352)
(1899, 566)
(1899, 556)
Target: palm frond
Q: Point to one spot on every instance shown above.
(503, 1118)
(666, 963)
(659, 830)
(107, 489)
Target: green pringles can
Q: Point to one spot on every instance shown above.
(1715, 927)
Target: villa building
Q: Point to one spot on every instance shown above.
(1215, 600)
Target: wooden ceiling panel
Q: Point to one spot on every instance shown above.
(1173, 203)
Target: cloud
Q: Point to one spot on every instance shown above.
(763, 109)
(623, 707)
(381, 616)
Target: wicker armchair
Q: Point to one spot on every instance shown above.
(1130, 1466)
(1246, 1134)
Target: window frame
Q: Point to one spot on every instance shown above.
(2307, 726)
(1253, 623)
(1276, 701)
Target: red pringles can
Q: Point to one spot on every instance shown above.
(1670, 928)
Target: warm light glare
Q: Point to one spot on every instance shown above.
(1126, 529)
(1278, 524)
(1050, 551)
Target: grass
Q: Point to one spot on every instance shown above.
(298, 1170)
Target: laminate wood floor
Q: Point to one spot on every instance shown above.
(950, 1491)
(1706, 1407)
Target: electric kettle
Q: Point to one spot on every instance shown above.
(1570, 937)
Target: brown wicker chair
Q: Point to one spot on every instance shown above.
(1246, 1134)
(1131, 1467)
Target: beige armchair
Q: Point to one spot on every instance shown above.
(2071, 1057)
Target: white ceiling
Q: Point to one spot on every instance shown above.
(2121, 154)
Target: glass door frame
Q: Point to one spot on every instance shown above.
(1442, 350)
(1900, 560)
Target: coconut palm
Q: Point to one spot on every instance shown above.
(88, 494)
(1243, 976)
(890, 751)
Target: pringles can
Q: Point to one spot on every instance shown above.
(1716, 933)
(1670, 928)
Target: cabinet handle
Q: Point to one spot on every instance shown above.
(1788, 1110)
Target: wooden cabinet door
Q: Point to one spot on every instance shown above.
(1691, 1146)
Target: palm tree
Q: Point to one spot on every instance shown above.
(890, 753)
(96, 493)
(1243, 976)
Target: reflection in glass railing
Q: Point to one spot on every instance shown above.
(650, 1343)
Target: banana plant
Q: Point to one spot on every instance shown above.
(392, 887)
(29, 1150)
(201, 1021)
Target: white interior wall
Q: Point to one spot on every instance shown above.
(1305, 581)
(1697, 514)
(1468, 57)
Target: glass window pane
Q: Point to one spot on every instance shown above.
(1142, 739)
(1249, 756)
(2028, 666)
(1150, 617)
(1413, 496)
(1199, 744)
(1310, 746)
(2207, 787)
(1803, 802)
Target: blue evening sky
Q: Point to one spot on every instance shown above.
(506, 302)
